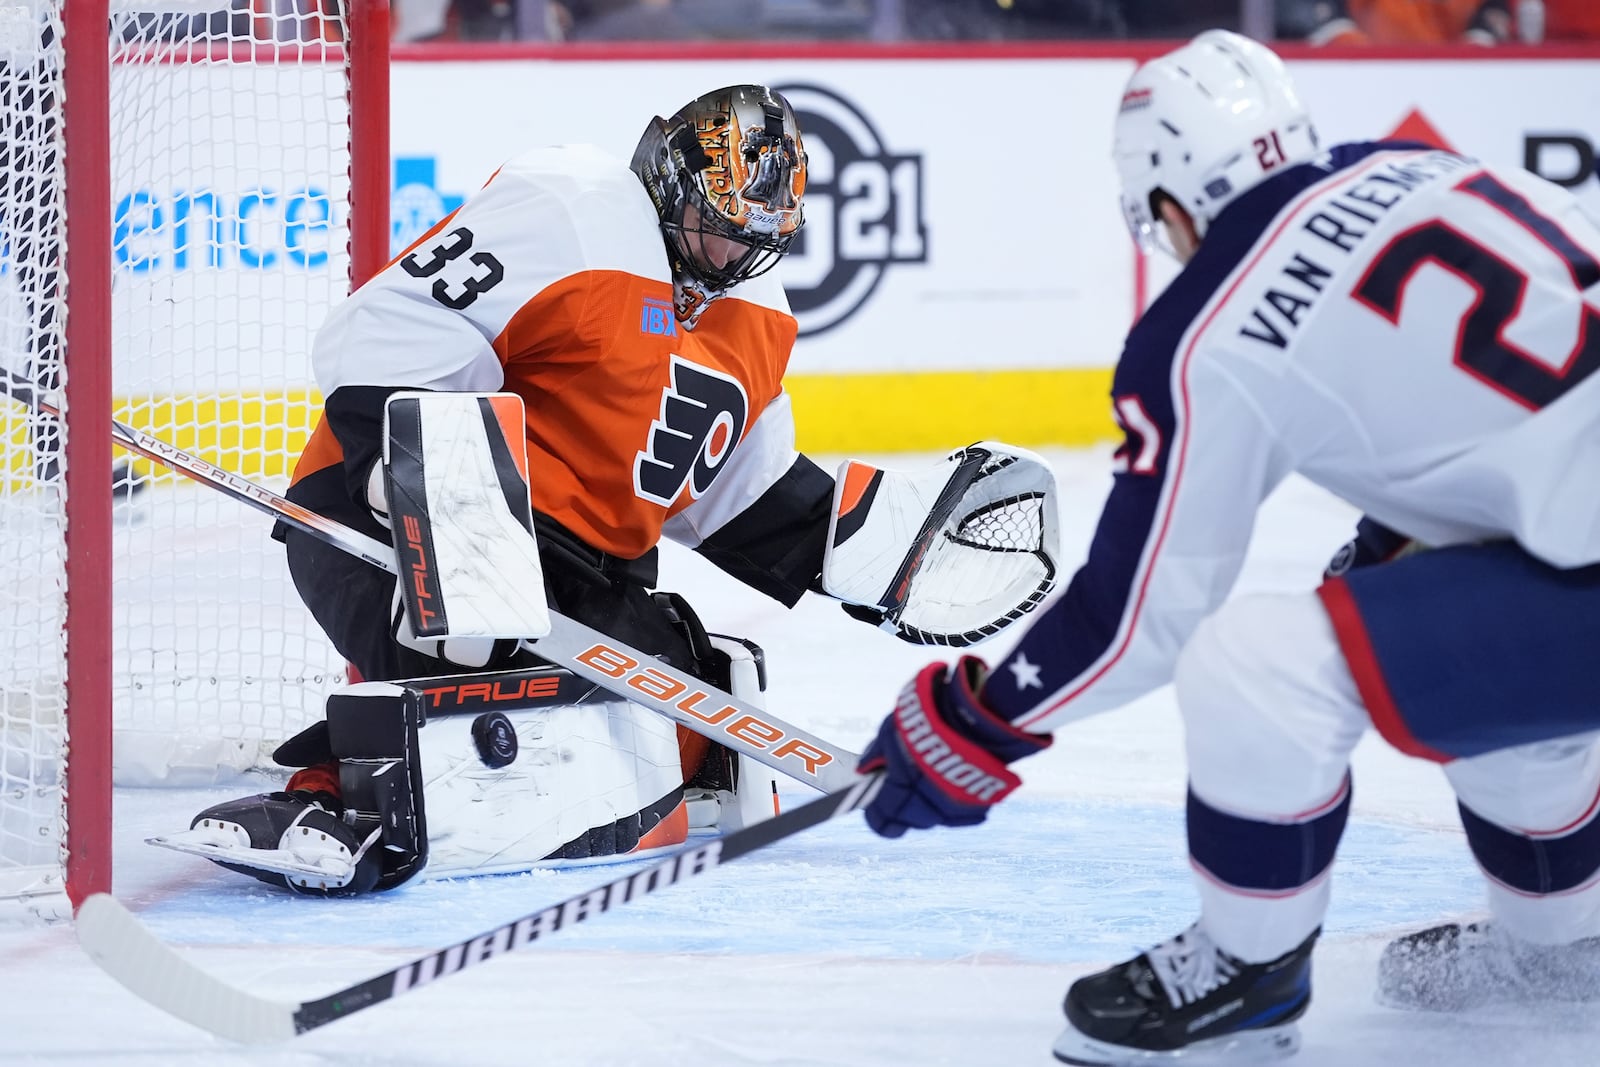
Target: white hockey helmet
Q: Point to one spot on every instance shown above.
(1202, 124)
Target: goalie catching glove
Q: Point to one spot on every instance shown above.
(943, 754)
(947, 556)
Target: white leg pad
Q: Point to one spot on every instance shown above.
(577, 768)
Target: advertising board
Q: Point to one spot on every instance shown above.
(964, 271)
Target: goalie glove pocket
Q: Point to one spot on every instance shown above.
(946, 556)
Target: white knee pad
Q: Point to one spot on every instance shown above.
(1269, 708)
(1532, 789)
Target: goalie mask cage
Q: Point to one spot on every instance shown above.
(186, 188)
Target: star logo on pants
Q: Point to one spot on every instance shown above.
(1027, 674)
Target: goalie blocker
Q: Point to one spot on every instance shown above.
(480, 774)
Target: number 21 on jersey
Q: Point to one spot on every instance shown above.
(1482, 348)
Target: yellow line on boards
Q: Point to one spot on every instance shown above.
(261, 435)
(857, 413)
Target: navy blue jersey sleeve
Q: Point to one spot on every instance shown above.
(1196, 461)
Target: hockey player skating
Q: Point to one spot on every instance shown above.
(1417, 333)
(627, 313)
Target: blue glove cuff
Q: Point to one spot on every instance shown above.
(973, 719)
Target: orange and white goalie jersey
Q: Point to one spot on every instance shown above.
(552, 282)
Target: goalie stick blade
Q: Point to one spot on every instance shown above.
(125, 949)
(147, 967)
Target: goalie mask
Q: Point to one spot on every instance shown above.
(726, 174)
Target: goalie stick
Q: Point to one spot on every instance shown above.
(148, 967)
(585, 651)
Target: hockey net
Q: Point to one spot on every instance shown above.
(247, 151)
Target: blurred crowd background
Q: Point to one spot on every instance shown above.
(1338, 22)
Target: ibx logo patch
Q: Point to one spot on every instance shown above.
(703, 415)
(863, 208)
(656, 318)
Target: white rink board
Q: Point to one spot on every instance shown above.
(1027, 264)
(1019, 272)
(963, 212)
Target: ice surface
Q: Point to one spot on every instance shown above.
(831, 948)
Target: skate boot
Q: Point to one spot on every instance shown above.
(1455, 968)
(1186, 1001)
(298, 841)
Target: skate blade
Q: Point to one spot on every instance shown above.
(1247, 1046)
(223, 849)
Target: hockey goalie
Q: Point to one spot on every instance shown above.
(583, 358)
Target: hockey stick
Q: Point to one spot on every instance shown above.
(585, 651)
(150, 968)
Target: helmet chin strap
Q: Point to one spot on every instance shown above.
(690, 298)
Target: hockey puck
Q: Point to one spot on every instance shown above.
(495, 738)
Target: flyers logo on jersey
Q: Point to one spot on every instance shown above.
(703, 415)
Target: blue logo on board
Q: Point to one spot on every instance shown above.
(416, 202)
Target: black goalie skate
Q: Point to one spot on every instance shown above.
(298, 841)
(1455, 968)
(1186, 1001)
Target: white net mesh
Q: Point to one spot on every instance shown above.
(230, 194)
(32, 498)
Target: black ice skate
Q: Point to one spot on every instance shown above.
(298, 841)
(1186, 1001)
(1456, 968)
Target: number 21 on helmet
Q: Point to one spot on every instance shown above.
(1201, 125)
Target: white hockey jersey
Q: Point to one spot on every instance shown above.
(1403, 326)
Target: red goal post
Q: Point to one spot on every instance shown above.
(181, 201)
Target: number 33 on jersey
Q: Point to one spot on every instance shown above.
(552, 282)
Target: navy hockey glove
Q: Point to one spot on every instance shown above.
(943, 753)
